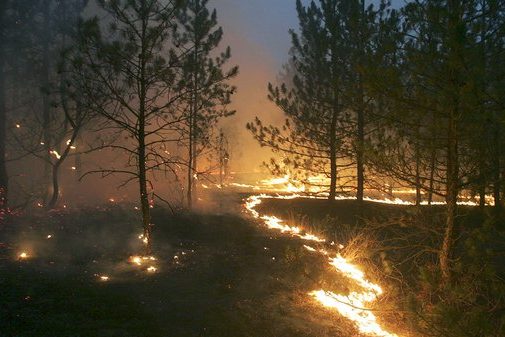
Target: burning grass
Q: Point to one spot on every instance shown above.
(356, 305)
(397, 247)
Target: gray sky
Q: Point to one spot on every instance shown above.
(257, 32)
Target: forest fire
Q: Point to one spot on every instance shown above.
(351, 306)
(132, 130)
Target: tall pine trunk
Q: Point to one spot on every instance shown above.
(496, 166)
(418, 176)
(432, 174)
(360, 148)
(333, 154)
(144, 197)
(455, 72)
(46, 103)
(189, 194)
(452, 186)
(4, 178)
(193, 123)
(142, 158)
(195, 176)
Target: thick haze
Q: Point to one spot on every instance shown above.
(257, 32)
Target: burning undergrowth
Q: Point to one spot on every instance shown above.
(357, 298)
(397, 246)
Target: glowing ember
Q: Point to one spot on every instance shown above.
(104, 278)
(55, 154)
(351, 306)
(136, 260)
(143, 239)
(49, 236)
(23, 256)
(142, 260)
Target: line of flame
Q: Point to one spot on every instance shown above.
(352, 306)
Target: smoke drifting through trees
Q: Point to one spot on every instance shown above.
(130, 80)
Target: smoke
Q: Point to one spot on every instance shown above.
(257, 33)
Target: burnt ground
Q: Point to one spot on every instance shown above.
(230, 278)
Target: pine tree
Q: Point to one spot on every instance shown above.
(437, 77)
(311, 139)
(205, 82)
(4, 178)
(134, 70)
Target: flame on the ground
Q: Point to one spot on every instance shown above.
(142, 261)
(351, 306)
(55, 154)
(316, 187)
(23, 256)
(288, 184)
(274, 222)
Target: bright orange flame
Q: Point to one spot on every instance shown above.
(352, 306)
